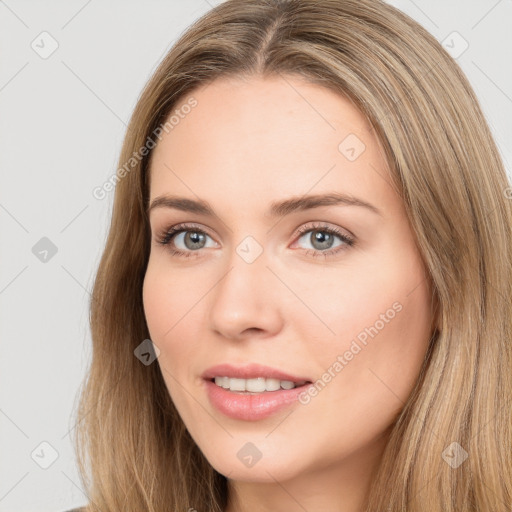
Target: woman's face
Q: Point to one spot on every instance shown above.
(350, 315)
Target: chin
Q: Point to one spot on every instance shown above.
(240, 467)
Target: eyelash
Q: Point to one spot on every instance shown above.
(168, 234)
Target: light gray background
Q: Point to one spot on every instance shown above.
(62, 121)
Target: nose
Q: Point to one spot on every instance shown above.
(245, 302)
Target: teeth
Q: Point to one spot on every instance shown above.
(257, 385)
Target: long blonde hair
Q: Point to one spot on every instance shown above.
(134, 452)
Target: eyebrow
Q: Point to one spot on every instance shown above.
(277, 208)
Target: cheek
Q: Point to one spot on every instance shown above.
(170, 315)
(168, 298)
(157, 301)
(382, 325)
(171, 330)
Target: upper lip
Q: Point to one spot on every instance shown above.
(250, 371)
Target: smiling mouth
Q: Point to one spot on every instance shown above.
(256, 385)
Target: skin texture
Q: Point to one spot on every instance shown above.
(246, 144)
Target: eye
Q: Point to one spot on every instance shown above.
(322, 239)
(188, 235)
(192, 239)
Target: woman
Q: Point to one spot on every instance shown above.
(233, 369)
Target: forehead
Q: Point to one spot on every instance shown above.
(245, 140)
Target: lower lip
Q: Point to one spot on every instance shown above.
(244, 406)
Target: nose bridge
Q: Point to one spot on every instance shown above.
(245, 297)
